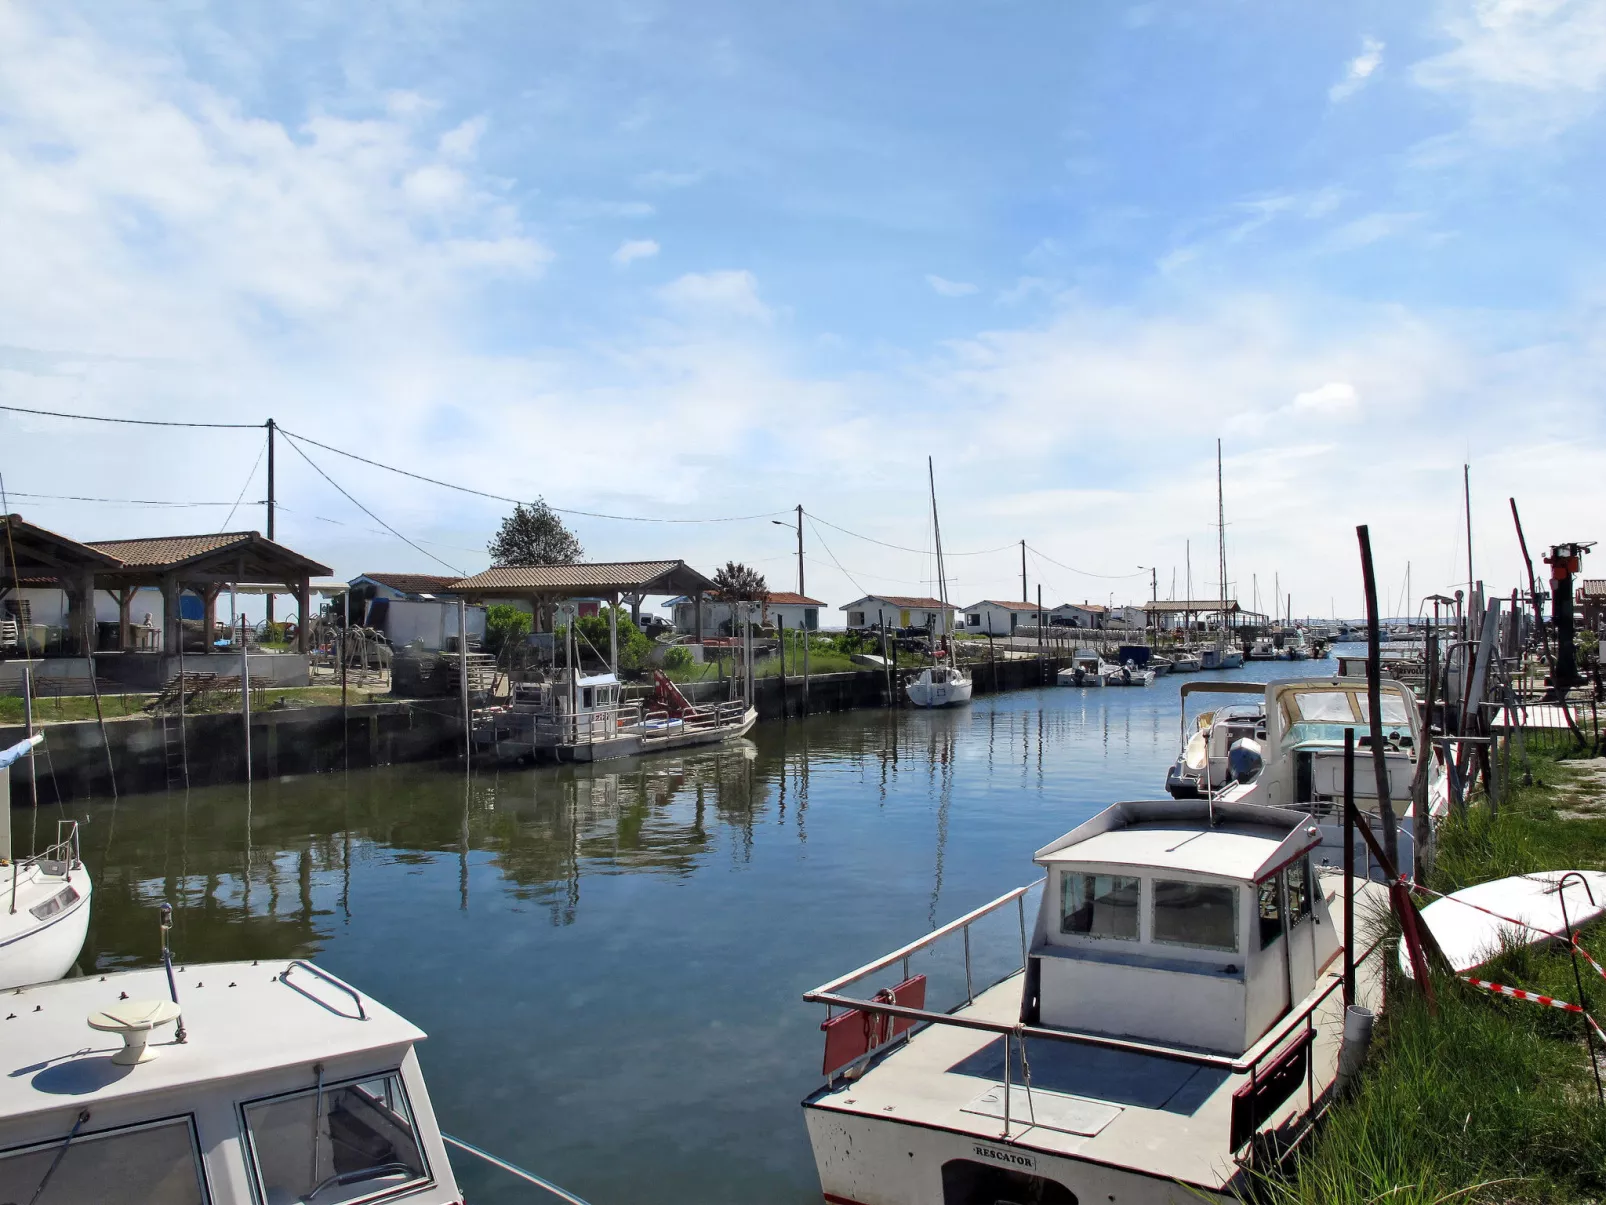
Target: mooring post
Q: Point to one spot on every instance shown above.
(1349, 866)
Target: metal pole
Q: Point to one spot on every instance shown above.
(27, 720)
(272, 429)
(1023, 597)
(1466, 488)
(462, 678)
(1583, 1002)
(1349, 865)
(245, 696)
(1374, 691)
(801, 591)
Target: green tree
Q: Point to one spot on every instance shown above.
(634, 646)
(505, 625)
(534, 535)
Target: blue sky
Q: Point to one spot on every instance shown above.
(714, 259)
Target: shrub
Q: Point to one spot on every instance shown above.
(677, 657)
(505, 625)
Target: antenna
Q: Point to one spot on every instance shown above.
(166, 913)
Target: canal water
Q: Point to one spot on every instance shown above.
(609, 960)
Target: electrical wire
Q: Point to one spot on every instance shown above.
(137, 422)
(248, 478)
(295, 443)
(832, 555)
(562, 510)
(901, 548)
(112, 501)
(1112, 577)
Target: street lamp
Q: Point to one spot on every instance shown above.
(800, 590)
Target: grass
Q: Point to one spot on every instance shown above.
(1492, 1099)
(54, 710)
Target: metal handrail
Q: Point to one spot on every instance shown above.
(1246, 1063)
(320, 973)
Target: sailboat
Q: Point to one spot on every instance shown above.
(1226, 658)
(42, 932)
(943, 683)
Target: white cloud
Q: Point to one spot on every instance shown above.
(727, 293)
(949, 288)
(460, 142)
(1360, 70)
(1332, 399)
(1525, 68)
(633, 249)
(661, 180)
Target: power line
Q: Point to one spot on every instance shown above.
(137, 422)
(832, 555)
(1113, 577)
(901, 548)
(247, 485)
(562, 510)
(111, 501)
(294, 443)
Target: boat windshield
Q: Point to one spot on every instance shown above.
(137, 1165)
(346, 1142)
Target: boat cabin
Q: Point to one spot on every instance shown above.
(558, 696)
(286, 1086)
(1305, 723)
(1179, 922)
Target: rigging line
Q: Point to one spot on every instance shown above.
(1114, 577)
(562, 510)
(832, 555)
(111, 501)
(136, 422)
(248, 479)
(917, 551)
(295, 443)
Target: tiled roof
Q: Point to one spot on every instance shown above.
(413, 583)
(168, 550)
(164, 552)
(901, 601)
(619, 575)
(1008, 606)
(786, 599)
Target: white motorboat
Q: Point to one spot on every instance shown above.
(1126, 674)
(1160, 665)
(1286, 749)
(234, 1083)
(43, 926)
(944, 683)
(1085, 669)
(1481, 922)
(1179, 1005)
(573, 716)
(939, 686)
(1185, 662)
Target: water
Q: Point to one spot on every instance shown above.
(609, 961)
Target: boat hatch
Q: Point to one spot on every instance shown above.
(335, 1143)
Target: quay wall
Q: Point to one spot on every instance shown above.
(313, 740)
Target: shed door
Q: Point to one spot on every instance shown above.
(903, 619)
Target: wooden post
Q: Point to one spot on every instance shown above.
(697, 617)
(806, 640)
(613, 634)
(886, 663)
(1374, 695)
(462, 679)
(125, 597)
(303, 588)
(245, 694)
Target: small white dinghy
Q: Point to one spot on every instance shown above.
(1526, 908)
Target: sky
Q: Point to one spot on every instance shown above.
(711, 261)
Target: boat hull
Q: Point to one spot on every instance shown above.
(875, 1161)
(41, 949)
(939, 694)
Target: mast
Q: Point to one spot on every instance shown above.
(1221, 547)
(936, 530)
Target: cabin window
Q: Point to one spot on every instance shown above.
(346, 1142)
(1271, 912)
(1203, 915)
(1298, 875)
(585, 698)
(1393, 707)
(139, 1165)
(1099, 905)
(1325, 707)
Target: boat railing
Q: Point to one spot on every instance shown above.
(586, 727)
(1286, 1035)
(58, 859)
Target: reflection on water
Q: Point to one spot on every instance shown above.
(609, 959)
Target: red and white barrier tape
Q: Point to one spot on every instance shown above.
(1517, 993)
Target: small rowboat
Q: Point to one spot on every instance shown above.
(1478, 923)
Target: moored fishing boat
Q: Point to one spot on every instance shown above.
(1176, 1009)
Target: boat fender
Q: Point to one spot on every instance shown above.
(1244, 760)
(1352, 1052)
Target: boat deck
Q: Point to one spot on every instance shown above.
(1157, 1114)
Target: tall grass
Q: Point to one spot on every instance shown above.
(1491, 1099)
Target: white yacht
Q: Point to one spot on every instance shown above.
(1286, 749)
(1085, 669)
(939, 686)
(1126, 674)
(1178, 1008)
(233, 1083)
(46, 917)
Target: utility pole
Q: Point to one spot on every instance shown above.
(272, 427)
(1023, 597)
(801, 591)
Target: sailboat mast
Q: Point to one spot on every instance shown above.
(936, 531)
(1221, 541)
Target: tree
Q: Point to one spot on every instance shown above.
(534, 535)
(737, 583)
